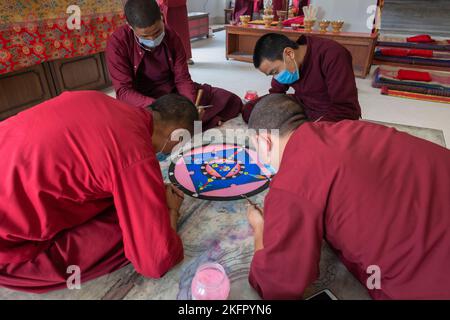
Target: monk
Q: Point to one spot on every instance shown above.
(176, 16)
(81, 187)
(319, 70)
(146, 60)
(379, 197)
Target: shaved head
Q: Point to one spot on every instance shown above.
(176, 110)
(142, 13)
(277, 111)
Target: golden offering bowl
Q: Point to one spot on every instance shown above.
(309, 24)
(337, 25)
(268, 19)
(245, 19)
(323, 25)
(268, 11)
(295, 26)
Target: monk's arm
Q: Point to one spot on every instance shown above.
(338, 70)
(150, 242)
(121, 73)
(292, 239)
(183, 82)
(258, 234)
(256, 220)
(277, 87)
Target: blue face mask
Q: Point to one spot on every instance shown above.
(152, 43)
(161, 156)
(287, 77)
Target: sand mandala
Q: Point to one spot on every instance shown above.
(220, 172)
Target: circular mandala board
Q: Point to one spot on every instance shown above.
(220, 172)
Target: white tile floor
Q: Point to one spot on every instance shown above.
(212, 67)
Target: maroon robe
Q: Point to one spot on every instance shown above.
(81, 186)
(281, 5)
(377, 196)
(176, 16)
(242, 8)
(326, 87)
(134, 69)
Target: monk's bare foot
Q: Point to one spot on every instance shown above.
(190, 62)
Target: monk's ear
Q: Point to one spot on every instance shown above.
(265, 142)
(269, 142)
(180, 135)
(289, 52)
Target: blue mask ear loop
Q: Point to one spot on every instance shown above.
(285, 66)
(165, 143)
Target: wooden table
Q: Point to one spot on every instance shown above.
(241, 42)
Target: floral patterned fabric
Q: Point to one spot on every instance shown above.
(35, 31)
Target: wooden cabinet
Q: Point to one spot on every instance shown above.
(79, 73)
(25, 88)
(241, 43)
(28, 87)
(198, 24)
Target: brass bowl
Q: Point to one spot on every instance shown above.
(268, 11)
(337, 25)
(323, 25)
(309, 24)
(245, 19)
(268, 19)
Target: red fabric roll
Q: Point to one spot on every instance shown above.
(422, 38)
(421, 53)
(395, 52)
(413, 75)
(295, 20)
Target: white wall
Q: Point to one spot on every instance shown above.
(353, 12)
(213, 7)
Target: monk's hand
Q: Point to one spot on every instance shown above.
(201, 112)
(255, 217)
